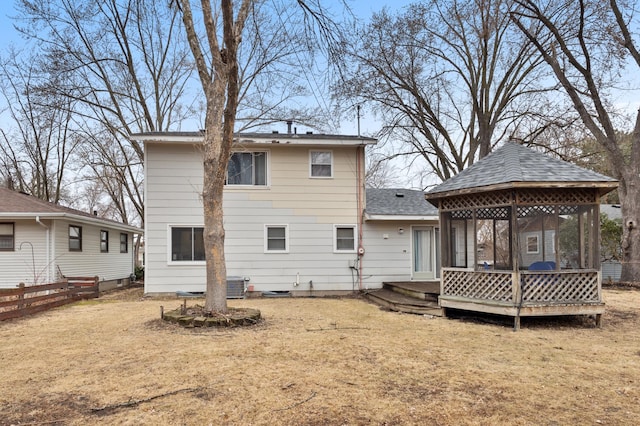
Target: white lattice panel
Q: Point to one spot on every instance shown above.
(538, 288)
(560, 287)
(479, 285)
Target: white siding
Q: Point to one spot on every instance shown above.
(27, 262)
(41, 265)
(90, 261)
(309, 207)
(388, 255)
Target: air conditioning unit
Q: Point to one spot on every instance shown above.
(235, 287)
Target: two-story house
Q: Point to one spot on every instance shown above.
(297, 216)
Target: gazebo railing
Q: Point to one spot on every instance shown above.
(523, 287)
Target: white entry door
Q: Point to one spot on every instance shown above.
(425, 250)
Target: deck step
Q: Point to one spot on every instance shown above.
(428, 291)
(399, 302)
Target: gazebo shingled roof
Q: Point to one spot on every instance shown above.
(513, 165)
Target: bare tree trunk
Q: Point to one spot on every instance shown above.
(629, 191)
(220, 83)
(565, 39)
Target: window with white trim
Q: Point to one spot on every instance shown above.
(533, 246)
(187, 244)
(321, 164)
(104, 241)
(75, 238)
(344, 238)
(7, 236)
(247, 169)
(124, 243)
(276, 238)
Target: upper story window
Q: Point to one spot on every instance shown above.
(344, 238)
(124, 243)
(75, 238)
(321, 164)
(104, 241)
(7, 237)
(247, 168)
(187, 244)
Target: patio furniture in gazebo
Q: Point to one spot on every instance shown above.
(520, 236)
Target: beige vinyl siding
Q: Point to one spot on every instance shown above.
(19, 266)
(90, 261)
(329, 200)
(388, 259)
(309, 207)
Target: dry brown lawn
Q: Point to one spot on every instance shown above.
(317, 362)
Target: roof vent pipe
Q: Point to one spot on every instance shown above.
(289, 123)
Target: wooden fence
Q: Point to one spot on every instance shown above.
(27, 300)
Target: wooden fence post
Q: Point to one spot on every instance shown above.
(96, 282)
(20, 304)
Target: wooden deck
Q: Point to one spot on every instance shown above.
(523, 293)
(412, 297)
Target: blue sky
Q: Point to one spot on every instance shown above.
(7, 32)
(363, 9)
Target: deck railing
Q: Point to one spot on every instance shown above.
(523, 287)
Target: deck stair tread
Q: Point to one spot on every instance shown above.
(428, 291)
(400, 302)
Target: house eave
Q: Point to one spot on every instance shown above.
(396, 218)
(71, 217)
(257, 139)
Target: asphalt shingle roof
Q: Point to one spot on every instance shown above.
(13, 202)
(399, 202)
(514, 163)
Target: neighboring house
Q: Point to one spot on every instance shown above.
(295, 217)
(611, 269)
(41, 242)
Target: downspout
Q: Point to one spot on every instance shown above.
(47, 249)
(360, 194)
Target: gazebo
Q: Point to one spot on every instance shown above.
(520, 236)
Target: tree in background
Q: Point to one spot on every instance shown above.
(450, 80)
(35, 155)
(589, 46)
(122, 67)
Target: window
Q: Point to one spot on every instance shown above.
(276, 239)
(321, 164)
(247, 168)
(532, 244)
(75, 238)
(7, 237)
(124, 243)
(344, 238)
(187, 244)
(104, 241)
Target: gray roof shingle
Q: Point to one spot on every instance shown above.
(398, 202)
(20, 204)
(514, 163)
